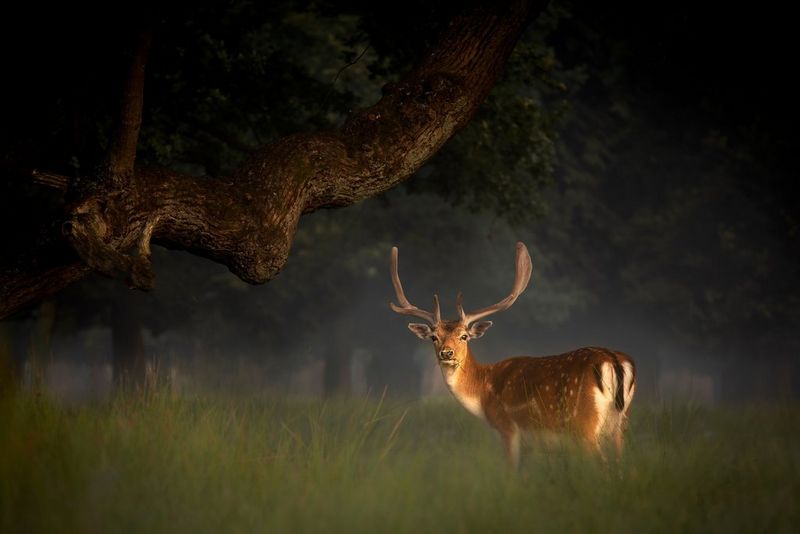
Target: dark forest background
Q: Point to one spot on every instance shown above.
(643, 152)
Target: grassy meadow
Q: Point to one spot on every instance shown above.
(168, 463)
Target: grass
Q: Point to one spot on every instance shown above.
(162, 463)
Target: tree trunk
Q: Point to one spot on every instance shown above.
(129, 362)
(9, 372)
(338, 367)
(40, 348)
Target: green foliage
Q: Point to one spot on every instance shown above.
(666, 209)
(676, 226)
(504, 159)
(164, 463)
(222, 87)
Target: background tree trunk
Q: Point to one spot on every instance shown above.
(338, 365)
(339, 347)
(9, 369)
(40, 346)
(129, 362)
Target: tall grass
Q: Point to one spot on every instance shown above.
(161, 463)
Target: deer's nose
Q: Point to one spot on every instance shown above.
(446, 353)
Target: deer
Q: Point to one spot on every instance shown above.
(585, 393)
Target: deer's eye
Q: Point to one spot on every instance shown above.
(464, 337)
(433, 338)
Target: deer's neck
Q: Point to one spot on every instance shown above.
(466, 383)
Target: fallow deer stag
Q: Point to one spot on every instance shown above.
(585, 393)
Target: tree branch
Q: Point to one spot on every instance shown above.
(49, 179)
(26, 284)
(247, 220)
(125, 137)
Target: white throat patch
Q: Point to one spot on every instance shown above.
(452, 377)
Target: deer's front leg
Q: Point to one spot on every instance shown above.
(511, 439)
(509, 433)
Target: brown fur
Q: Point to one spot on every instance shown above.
(554, 393)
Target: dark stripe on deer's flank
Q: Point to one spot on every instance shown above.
(619, 397)
(598, 377)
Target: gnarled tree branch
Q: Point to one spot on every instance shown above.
(247, 220)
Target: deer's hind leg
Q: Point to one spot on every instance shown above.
(588, 428)
(511, 443)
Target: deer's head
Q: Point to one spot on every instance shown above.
(450, 338)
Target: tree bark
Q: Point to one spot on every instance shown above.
(247, 220)
(125, 138)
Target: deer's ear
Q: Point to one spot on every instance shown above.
(478, 329)
(422, 331)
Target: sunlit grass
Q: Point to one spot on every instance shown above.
(162, 463)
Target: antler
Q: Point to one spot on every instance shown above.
(523, 276)
(405, 307)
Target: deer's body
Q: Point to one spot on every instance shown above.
(585, 393)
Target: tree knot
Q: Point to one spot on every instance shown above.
(89, 234)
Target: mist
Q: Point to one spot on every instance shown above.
(656, 227)
(324, 326)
